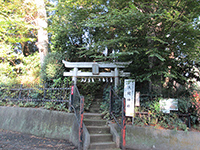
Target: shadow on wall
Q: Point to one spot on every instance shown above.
(149, 138)
(40, 122)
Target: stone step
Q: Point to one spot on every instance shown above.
(95, 105)
(98, 129)
(98, 100)
(94, 110)
(94, 138)
(102, 145)
(94, 116)
(92, 122)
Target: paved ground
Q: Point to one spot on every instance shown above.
(10, 140)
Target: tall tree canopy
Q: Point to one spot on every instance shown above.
(16, 20)
(161, 38)
(18, 33)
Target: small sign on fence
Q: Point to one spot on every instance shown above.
(129, 94)
(168, 104)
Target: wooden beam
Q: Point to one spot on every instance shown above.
(89, 64)
(101, 74)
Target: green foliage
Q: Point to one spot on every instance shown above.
(30, 104)
(17, 41)
(187, 105)
(53, 67)
(47, 105)
(160, 38)
(88, 101)
(20, 104)
(68, 35)
(89, 90)
(159, 119)
(117, 102)
(34, 95)
(105, 105)
(15, 21)
(2, 103)
(55, 106)
(15, 68)
(197, 127)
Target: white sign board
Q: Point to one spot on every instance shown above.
(129, 94)
(137, 98)
(168, 104)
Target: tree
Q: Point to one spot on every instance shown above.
(15, 23)
(18, 34)
(19, 19)
(15, 27)
(66, 31)
(161, 38)
(41, 23)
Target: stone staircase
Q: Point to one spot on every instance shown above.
(100, 136)
(95, 106)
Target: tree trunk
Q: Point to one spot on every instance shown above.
(41, 23)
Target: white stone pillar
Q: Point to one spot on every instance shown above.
(74, 78)
(116, 77)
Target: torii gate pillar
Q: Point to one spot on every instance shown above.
(116, 77)
(74, 77)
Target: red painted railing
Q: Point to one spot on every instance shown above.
(114, 96)
(77, 106)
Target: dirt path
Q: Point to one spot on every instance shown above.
(10, 140)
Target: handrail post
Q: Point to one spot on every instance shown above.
(71, 98)
(45, 86)
(80, 146)
(111, 102)
(20, 91)
(123, 130)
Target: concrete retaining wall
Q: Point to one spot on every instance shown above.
(149, 138)
(54, 124)
(40, 122)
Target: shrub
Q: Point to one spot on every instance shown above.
(53, 67)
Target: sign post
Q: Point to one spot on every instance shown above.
(129, 94)
(137, 98)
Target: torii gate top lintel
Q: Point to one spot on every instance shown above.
(95, 70)
(89, 64)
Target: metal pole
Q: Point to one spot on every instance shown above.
(71, 98)
(20, 92)
(189, 121)
(80, 147)
(123, 130)
(45, 86)
(111, 101)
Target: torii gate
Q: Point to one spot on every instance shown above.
(75, 73)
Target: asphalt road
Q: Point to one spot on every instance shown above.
(10, 140)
